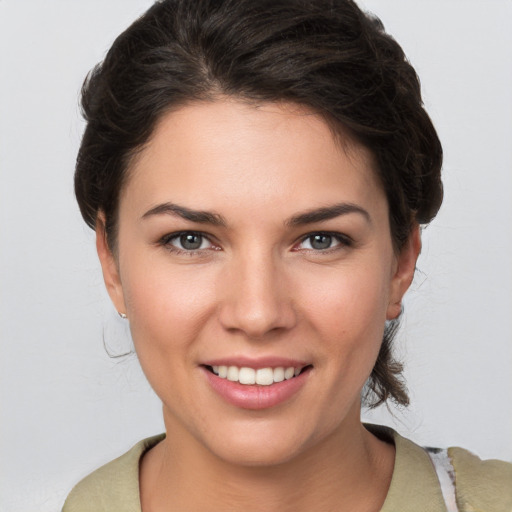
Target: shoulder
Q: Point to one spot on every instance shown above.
(424, 481)
(481, 484)
(114, 486)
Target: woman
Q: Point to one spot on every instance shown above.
(256, 173)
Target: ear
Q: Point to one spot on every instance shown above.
(404, 273)
(109, 266)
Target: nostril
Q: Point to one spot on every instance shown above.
(257, 325)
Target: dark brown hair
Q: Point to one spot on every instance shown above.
(325, 54)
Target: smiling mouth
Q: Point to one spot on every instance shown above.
(261, 376)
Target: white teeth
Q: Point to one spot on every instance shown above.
(289, 373)
(265, 376)
(247, 376)
(233, 373)
(279, 374)
(262, 376)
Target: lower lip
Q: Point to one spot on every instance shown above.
(256, 397)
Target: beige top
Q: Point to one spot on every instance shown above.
(481, 486)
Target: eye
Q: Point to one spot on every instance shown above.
(324, 241)
(187, 241)
(191, 241)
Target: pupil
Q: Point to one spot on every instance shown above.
(190, 241)
(321, 241)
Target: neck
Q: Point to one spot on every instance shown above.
(349, 470)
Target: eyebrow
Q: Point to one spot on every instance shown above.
(215, 219)
(199, 216)
(327, 213)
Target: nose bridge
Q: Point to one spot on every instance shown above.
(257, 299)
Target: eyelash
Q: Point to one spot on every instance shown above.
(166, 240)
(344, 241)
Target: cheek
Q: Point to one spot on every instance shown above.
(349, 299)
(167, 305)
(348, 312)
(168, 309)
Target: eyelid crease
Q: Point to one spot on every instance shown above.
(342, 237)
(344, 241)
(165, 241)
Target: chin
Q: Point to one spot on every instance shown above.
(256, 452)
(261, 442)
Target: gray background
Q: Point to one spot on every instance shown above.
(66, 407)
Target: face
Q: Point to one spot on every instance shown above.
(253, 246)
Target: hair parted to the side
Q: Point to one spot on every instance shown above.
(326, 55)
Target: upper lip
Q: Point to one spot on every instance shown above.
(255, 363)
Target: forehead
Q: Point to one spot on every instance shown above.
(229, 152)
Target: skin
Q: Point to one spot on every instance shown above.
(257, 287)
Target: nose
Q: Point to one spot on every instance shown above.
(257, 299)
